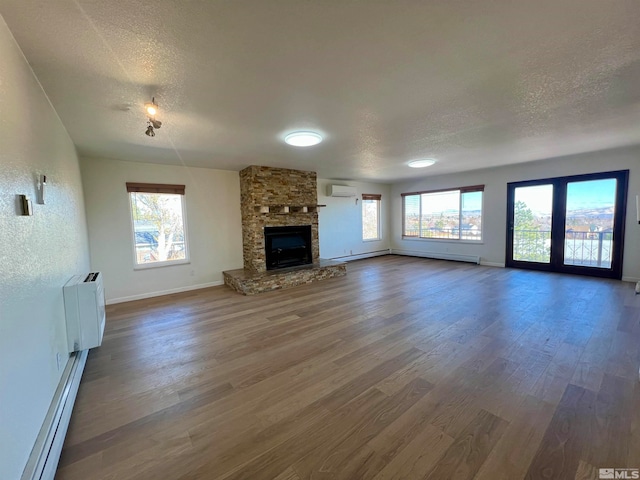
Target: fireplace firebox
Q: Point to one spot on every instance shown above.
(287, 246)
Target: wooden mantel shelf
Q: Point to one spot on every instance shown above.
(285, 209)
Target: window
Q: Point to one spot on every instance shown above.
(371, 216)
(454, 214)
(158, 219)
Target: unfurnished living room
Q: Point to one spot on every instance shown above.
(319, 239)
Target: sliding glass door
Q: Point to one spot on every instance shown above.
(568, 224)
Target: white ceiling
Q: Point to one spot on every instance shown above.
(473, 83)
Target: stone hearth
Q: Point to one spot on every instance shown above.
(250, 283)
(277, 197)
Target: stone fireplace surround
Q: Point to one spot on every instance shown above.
(275, 197)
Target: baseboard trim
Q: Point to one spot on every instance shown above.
(43, 461)
(360, 256)
(630, 279)
(438, 256)
(492, 264)
(142, 296)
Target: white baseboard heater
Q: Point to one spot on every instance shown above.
(43, 461)
(359, 256)
(439, 256)
(84, 309)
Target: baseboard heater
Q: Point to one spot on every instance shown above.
(439, 256)
(360, 256)
(43, 461)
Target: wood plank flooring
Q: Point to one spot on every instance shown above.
(406, 368)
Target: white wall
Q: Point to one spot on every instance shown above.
(341, 220)
(38, 254)
(214, 228)
(492, 249)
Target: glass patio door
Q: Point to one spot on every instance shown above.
(589, 222)
(531, 224)
(568, 224)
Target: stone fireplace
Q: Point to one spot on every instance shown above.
(283, 204)
(275, 197)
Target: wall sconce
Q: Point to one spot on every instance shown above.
(41, 186)
(25, 204)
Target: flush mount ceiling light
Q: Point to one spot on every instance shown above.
(303, 139)
(423, 162)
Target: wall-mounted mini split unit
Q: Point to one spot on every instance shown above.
(341, 191)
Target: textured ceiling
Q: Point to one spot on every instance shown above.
(472, 83)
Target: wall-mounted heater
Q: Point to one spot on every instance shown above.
(84, 309)
(341, 191)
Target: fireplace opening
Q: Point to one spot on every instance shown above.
(287, 246)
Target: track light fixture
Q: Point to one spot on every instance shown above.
(151, 109)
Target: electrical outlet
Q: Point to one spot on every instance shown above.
(350, 252)
(193, 273)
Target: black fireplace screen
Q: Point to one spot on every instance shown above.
(287, 246)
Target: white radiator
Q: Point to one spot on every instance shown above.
(84, 309)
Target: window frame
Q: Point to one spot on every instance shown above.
(378, 199)
(461, 190)
(133, 188)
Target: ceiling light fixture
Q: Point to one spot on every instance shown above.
(424, 162)
(303, 139)
(152, 124)
(151, 108)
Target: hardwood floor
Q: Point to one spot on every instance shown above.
(406, 368)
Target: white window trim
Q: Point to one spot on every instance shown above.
(169, 263)
(480, 241)
(379, 238)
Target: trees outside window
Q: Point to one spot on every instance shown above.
(159, 231)
(371, 217)
(532, 241)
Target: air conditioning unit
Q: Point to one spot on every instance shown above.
(341, 191)
(84, 309)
